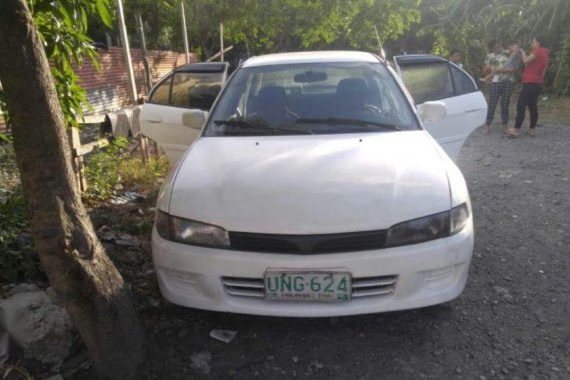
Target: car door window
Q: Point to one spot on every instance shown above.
(463, 82)
(195, 90)
(161, 94)
(427, 82)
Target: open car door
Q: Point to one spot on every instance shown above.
(188, 89)
(431, 78)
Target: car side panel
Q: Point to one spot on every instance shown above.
(464, 114)
(163, 124)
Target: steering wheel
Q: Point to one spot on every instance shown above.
(373, 109)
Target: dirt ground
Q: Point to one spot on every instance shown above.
(510, 323)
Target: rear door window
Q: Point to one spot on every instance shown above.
(195, 90)
(463, 82)
(429, 81)
(161, 94)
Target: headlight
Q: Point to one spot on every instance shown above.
(428, 228)
(162, 224)
(190, 232)
(459, 218)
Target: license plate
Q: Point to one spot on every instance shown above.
(308, 286)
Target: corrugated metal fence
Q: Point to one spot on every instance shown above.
(108, 88)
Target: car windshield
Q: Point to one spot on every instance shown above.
(311, 98)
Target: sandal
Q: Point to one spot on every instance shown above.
(531, 132)
(512, 133)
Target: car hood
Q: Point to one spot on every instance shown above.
(311, 184)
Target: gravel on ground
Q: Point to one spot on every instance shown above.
(510, 323)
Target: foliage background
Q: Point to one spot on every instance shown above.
(430, 26)
(70, 28)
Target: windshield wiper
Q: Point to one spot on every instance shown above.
(262, 127)
(348, 122)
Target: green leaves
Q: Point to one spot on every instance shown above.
(468, 24)
(102, 169)
(276, 25)
(17, 258)
(102, 7)
(63, 27)
(562, 79)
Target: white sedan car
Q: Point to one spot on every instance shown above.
(313, 189)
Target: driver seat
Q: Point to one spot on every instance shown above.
(351, 94)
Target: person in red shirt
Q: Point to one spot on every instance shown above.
(533, 80)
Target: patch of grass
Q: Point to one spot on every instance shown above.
(551, 109)
(554, 109)
(136, 173)
(18, 259)
(102, 170)
(9, 176)
(113, 166)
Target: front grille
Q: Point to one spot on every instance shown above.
(361, 286)
(308, 244)
(373, 286)
(262, 243)
(244, 287)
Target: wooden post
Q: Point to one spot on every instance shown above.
(77, 158)
(147, 80)
(155, 148)
(215, 56)
(109, 40)
(143, 143)
(127, 51)
(137, 133)
(77, 153)
(184, 32)
(221, 42)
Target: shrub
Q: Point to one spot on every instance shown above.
(102, 169)
(136, 173)
(9, 176)
(18, 260)
(112, 166)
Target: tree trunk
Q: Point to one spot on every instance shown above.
(89, 285)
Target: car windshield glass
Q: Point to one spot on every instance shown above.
(350, 122)
(255, 127)
(311, 98)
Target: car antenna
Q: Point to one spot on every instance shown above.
(382, 52)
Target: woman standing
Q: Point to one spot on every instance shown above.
(502, 76)
(533, 80)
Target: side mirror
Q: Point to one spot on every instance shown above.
(194, 119)
(431, 112)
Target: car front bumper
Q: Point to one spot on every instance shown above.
(414, 276)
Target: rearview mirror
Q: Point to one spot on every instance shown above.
(310, 77)
(432, 112)
(194, 119)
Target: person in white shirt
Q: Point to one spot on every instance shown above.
(456, 57)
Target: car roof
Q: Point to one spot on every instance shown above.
(310, 57)
(206, 67)
(418, 59)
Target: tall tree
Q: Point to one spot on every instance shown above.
(286, 25)
(275, 25)
(469, 24)
(91, 288)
